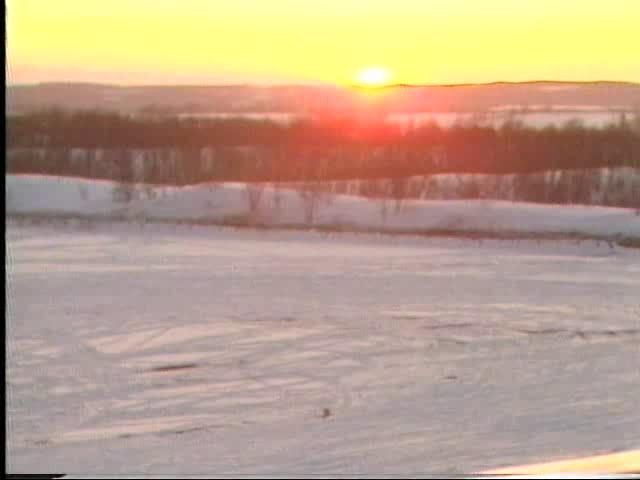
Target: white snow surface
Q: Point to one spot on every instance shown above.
(163, 349)
(281, 206)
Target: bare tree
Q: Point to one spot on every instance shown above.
(377, 191)
(123, 192)
(635, 198)
(399, 186)
(311, 193)
(384, 200)
(277, 196)
(254, 195)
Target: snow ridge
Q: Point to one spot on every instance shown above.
(307, 206)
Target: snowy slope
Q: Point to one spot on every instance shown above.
(239, 203)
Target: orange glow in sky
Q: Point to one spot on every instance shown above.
(321, 41)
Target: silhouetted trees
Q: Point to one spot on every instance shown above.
(98, 144)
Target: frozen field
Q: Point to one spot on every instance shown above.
(164, 349)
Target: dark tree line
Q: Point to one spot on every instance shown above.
(332, 148)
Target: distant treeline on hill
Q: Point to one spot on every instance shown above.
(172, 150)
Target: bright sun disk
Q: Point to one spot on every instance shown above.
(373, 77)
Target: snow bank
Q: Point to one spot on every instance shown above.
(308, 206)
(614, 187)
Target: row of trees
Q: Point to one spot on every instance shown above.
(193, 150)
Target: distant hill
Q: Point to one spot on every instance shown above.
(313, 99)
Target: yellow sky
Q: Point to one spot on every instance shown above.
(290, 41)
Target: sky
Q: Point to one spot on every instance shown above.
(134, 42)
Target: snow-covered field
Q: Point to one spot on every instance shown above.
(309, 206)
(178, 349)
(591, 116)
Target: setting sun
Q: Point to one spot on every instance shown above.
(374, 77)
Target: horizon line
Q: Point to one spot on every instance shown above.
(325, 84)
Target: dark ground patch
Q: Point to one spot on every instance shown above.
(173, 367)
